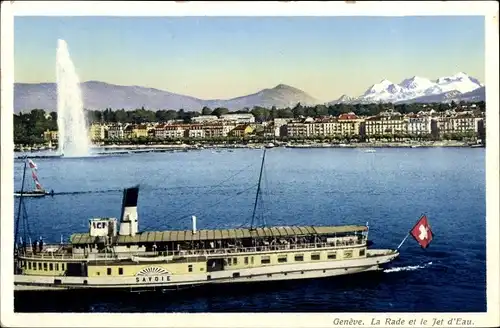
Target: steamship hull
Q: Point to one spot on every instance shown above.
(374, 262)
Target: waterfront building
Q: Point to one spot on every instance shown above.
(50, 135)
(213, 130)
(324, 127)
(98, 132)
(278, 124)
(195, 131)
(441, 125)
(140, 130)
(241, 130)
(116, 131)
(385, 125)
(297, 130)
(174, 131)
(464, 123)
(418, 125)
(349, 124)
(159, 131)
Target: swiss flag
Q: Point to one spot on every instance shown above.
(422, 232)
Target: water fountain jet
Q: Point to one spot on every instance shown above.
(73, 138)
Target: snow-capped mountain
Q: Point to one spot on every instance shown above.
(419, 89)
(456, 96)
(460, 82)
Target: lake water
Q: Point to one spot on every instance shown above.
(390, 189)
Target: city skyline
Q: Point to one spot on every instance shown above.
(226, 57)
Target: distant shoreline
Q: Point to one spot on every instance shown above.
(367, 145)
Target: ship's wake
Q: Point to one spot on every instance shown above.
(408, 268)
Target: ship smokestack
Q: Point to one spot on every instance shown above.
(194, 223)
(129, 218)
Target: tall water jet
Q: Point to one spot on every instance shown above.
(73, 137)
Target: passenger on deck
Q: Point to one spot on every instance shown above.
(34, 247)
(40, 244)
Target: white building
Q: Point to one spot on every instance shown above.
(204, 118)
(239, 118)
(196, 131)
(278, 123)
(419, 125)
(116, 131)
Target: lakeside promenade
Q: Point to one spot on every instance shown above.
(186, 147)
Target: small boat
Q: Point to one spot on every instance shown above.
(39, 191)
(269, 145)
(370, 150)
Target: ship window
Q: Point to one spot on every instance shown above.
(34, 266)
(362, 252)
(29, 265)
(51, 267)
(315, 256)
(332, 256)
(98, 273)
(281, 258)
(57, 266)
(190, 268)
(45, 267)
(235, 261)
(347, 254)
(40, 266)
(109, 271)
(120, 270)
(62, 266)
(246, 260)
(251, 260)
(265, 260)
(299, 257)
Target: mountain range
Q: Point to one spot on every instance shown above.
(419, 89)
(100, 95)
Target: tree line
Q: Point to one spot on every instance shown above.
(29, 127)
(263, 114)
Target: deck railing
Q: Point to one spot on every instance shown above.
(63, 254)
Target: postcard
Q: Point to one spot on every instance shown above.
(240, 164)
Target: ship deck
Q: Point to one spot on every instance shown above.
(64, 252)
(221, 234)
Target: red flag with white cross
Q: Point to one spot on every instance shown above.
(422, 232)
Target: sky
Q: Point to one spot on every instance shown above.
(226, 57)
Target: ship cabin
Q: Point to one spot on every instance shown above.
(204, 242)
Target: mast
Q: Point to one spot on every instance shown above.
(258, 189)
(20, 205)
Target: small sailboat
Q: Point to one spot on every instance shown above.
(39, 191)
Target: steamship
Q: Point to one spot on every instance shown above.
(114, 254)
